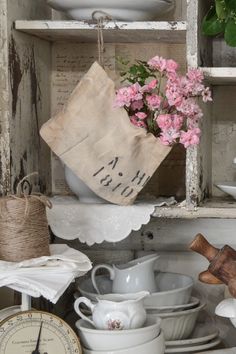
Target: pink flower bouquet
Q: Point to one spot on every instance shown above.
(163, 102)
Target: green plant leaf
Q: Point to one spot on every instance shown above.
(221, 10)
(211, 25)
(230, 32)
(231, 4)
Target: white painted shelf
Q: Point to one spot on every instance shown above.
(216, 208)
(220, 75)
(114, 31)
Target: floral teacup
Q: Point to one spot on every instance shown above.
(123, 313)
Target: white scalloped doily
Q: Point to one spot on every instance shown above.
(94, 223)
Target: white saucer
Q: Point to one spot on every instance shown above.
(193, 348)
(193, 302)
(203, 333)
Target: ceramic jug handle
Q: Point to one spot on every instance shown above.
(88, 303)
(93, 274)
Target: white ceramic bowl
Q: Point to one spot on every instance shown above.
(95, 339)
(173, 289)
(80, 189)
(157, 345)
(178, 325)
(228, 187)
(125, 10)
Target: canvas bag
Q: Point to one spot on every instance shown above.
(98, 142)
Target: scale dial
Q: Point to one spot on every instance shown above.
(19, 334)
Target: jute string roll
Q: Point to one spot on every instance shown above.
(23, 226)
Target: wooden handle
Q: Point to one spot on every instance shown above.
(207, 277)
(202, 246)
(224, 266)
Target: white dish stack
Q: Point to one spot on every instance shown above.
(148, 339)
(177, 332)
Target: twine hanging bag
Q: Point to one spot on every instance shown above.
(97, 141)
(24, 230)
(99, 144)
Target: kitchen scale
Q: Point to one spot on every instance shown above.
(27, 331)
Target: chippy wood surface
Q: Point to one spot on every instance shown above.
(27, 97)
(4, 101)
(113, 32)
(220, 75)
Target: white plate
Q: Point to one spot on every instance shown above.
(193, 303)
(190, 349)
(203, 333)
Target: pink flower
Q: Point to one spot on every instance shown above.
(123, 97)
(197, 89)
(149, 87)
(190, 138)
(188, 107)
(152, 84)
(171, 66)
(168, 121)
(126, 95)
(195, 75)
(138, 123)
(174, 95)
(141, 115)
(135, 94)
(157, 63)
(167, 109)
(169, 136)
(153, 101)
(177, 121)
(137, 105)
(172, 77)
(206, 95)
(164, 121)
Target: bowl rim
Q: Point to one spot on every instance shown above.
(155, 341)
(194, 301)
(151, 325)
(201, 306)
(158, 293)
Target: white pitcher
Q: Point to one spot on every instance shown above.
(115, 315)
(136, 275)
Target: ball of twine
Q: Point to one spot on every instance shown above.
(23, 226)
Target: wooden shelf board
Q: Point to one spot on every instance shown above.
(215, 208)
(114, 32)
(220, 76)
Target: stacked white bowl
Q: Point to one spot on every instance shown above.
(171, 302)
(148, 339)
(178, 321)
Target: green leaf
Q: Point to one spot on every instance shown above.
(211, 25)
(133, 70)
(221, 10)
(231, 4)
(230, 32)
